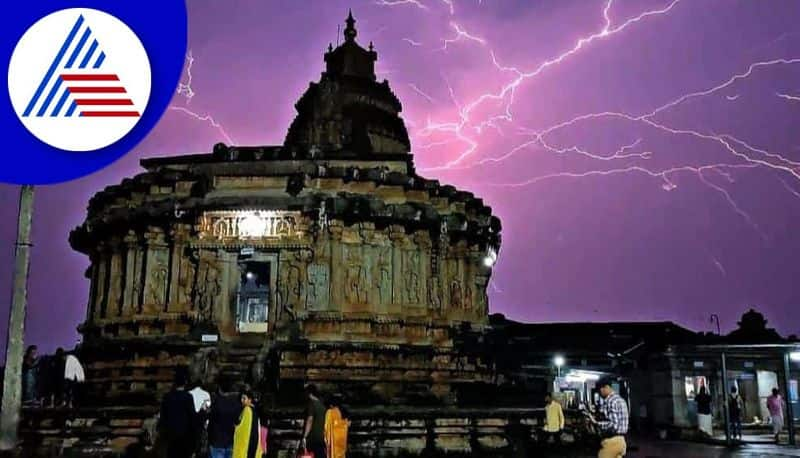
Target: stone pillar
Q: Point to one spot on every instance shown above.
(225, 309)
(115, 273)
(131, 297)
(397, 235)
(101, 282)
(180, 271)
(92, 289)
(423, 242)
(338, 266)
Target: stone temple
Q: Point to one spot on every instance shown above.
(324, 260)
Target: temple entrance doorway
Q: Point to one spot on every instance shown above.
(256, 292)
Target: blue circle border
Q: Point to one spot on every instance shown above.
(161, 26)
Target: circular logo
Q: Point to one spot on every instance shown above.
(79, 79)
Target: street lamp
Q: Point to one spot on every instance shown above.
(559, 361)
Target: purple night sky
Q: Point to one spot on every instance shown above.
(648, 206)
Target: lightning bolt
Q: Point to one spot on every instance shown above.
(509, 89)
(185, 89)
(795, 98)
(461, 34)
(412, 42)
(421, 93)
(772, 160)
(207, 119)
(416, 3)
(719, 266)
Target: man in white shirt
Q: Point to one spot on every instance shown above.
(202, 405)
(73, 375)
(201, 397)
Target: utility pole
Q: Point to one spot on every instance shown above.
(12, 383)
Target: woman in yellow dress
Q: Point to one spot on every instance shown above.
(246, 443)
(336, 428)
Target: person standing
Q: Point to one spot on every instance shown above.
(202, 404)
(30, 376)
(704, 419)
(177, 421)
(614, 423)
(775, 407)
(73, 376)
(314, 426)
(735, 407)
(336, 427)
(554, 419)
(246, 436)
(222, 418)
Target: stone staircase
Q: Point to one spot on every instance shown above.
(235, 362)
(87, 431)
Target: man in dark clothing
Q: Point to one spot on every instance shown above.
(225, 410)
(314, 427)
(735, 408)
(177, 421)
(703, 400)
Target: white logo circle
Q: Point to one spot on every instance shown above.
(79, 79)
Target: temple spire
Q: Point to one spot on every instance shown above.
(350, 31)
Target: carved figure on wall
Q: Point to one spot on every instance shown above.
(411, 277)
(318, 286)
(356, 279)
(468, 298)
(158, 284)
(185, 281)
(455, 294)
(434, 300)
(209, 285)
(295, 286)
(385, 283)
(290, 289)
(114, 291)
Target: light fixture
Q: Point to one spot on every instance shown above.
(250, 276)
(559, 361)
(795, 356)
(253, 225)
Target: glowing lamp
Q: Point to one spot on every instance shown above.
(252, 225)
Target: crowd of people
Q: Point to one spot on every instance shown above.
(228, 424)
(775, 407)
(609, 421)
(51, 380)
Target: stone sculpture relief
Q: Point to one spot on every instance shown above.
(186, 281)
(385, 275)
(411, 277)
(357, 282)
(209, 285)
(434, 298)
(157, 284)
(318, 287)
(290, 289)
(456, 297)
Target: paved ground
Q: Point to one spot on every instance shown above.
(640, 448)
(668, 449)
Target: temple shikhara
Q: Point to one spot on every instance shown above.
(324, 260)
